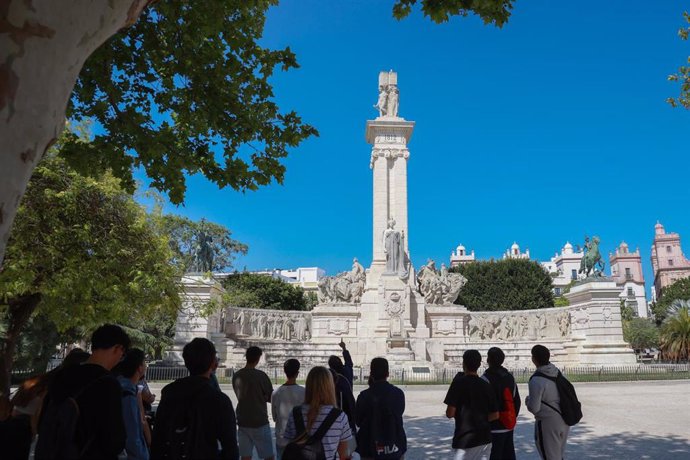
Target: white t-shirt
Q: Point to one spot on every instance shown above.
(284, 399)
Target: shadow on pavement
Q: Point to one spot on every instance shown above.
(430, 438)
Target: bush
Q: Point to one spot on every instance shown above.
(508, 284)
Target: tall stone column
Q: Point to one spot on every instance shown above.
(389, 135)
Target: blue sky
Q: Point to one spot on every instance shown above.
(553, 127)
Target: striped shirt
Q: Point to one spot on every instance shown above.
(339, 431)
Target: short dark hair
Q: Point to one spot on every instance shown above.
(130, 363)
(471, 360)
(291, 368)
(253, 354)
(335, 363)
(108, 336)
(379, 369)
(75, 357)
(199, 355)
(541, 355)
(495, 356)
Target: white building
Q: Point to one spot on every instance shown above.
(460, 256)
(564, 268)
(514, 252)
(305, 277)
(626, 270)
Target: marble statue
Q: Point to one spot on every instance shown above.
(346, 287)
(381, 103)
(394, 248)
(393, 101)
(439, 288)
(388, 101)
(592, 261)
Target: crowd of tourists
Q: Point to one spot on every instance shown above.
(97, 405)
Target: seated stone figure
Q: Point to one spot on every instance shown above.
(346, 287)
(439, 288)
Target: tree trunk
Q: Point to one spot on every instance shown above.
(43, 46)
(19, 312)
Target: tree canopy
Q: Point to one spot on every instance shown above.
(507, 284)
(83, 252)
(679, 290)
(641, 333)
(494, 12)
(186, 90)
(683, 74)
(251, 290)
(184, 242)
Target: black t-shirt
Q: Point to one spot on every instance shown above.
(473, 400)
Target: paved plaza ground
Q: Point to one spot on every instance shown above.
(623, 420)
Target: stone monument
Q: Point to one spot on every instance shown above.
(410, 317)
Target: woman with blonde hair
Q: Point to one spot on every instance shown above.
(318, 421)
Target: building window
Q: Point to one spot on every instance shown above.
(628, 275)
(670, 262)
(557, 291)
(668, 248)
(573, 274)
(630, 292)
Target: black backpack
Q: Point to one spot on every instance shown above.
(184, 431)
(307, 447)
(59, 428)
(571, 409)
(386, 434)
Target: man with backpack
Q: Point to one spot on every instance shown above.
(508, 399)
(253, 389)
(82, 411)
(471, 401)
(553, 402)
(379, 414)
(194, 420)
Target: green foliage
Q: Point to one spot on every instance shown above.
(508, 284)
(679, 290)
(494, 12)
(561, 302)
(88, 249)
(675, 336)
(82, 252)
(186, 90)
(641, 333)
(183, 234)
(683, 75)
(627, 312)
(249, 290)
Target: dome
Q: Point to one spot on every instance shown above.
(658, 228)
(515, 246)
(568, 248)
(461, 248)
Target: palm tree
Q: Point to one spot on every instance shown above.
(675, 335)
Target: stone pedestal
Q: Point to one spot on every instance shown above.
(197, 291)
(596, 321)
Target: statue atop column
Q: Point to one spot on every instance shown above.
(394, 248)
(389, 96)
(346, 287)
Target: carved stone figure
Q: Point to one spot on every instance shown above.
(564, 324)
(439, 288)
(346, 287)
(393, 101)
(394, 248)
(381, 103)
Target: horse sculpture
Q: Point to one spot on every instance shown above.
(591, 261)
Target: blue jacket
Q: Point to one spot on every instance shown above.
(379, 411)
(135, 445)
